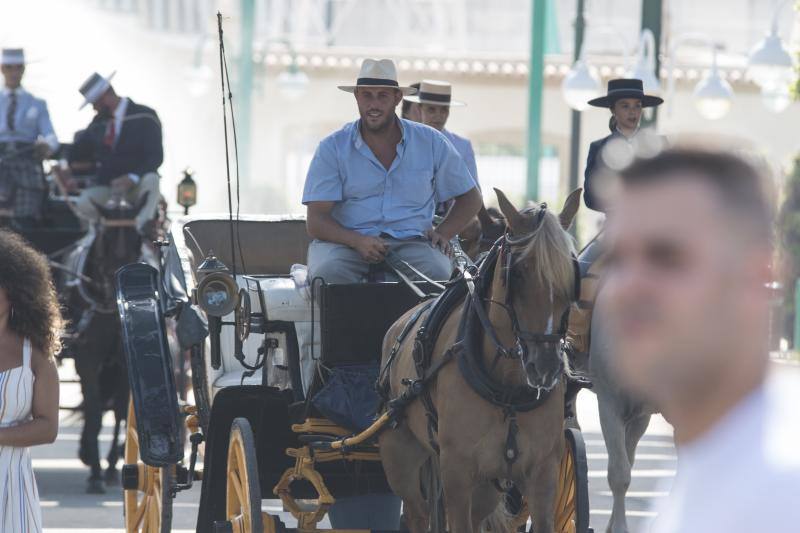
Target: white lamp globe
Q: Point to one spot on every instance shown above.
(580, 86)
(769, 62)
(776, 97)
(713, 96)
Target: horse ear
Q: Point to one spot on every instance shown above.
(570, 208)
(140, 203)
(513, 218)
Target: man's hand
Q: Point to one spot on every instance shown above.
(439, 241)
(122, 184)
(41, 149)
(371, 249)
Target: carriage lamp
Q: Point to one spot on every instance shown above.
(217, 293)
(187, 191)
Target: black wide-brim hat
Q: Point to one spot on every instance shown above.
(625, 88)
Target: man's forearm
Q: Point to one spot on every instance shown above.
(464, 208)
(325, 228)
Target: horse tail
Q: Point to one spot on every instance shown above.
(500, 521)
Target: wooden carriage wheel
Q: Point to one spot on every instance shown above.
(243, 492)
(146, 489)
(572, 502)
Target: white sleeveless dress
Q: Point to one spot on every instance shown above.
(19, 497)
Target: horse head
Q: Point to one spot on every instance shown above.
(118, 241)
(535, 283)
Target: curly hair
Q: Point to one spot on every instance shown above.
(25, 276)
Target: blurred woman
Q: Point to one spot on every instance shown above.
(30, 328)
(625, 99)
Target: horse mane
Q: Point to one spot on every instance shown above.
(551, 249)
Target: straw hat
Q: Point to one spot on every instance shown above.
(433, 92)
(377, 73)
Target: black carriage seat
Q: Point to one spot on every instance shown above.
(354, 318)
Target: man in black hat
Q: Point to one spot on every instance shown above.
(123, 146)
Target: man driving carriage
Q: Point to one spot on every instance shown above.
(122, 147)
(372, 187)
(26, 137)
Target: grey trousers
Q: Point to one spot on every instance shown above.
(338, 263)
(149, 183)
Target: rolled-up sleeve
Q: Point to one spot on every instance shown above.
(323, 181)
(45, 127)
(451, 176)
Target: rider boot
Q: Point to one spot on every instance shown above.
(578, 330)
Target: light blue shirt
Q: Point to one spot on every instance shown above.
(31, 120)
(371, 200)
(464, 148)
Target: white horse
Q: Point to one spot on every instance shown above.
(623, 418)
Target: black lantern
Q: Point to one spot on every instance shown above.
(216, 293)
(187, 191)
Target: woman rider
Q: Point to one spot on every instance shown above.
(625, 99)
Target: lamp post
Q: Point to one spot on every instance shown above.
(713, 96)
(535, 90)
(771, 67)
(245, 96)
(585, 84)
(187, 191)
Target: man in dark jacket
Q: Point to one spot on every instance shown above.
(122, 145)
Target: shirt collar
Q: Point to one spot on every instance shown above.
(358, 140)
(19, 90)
(619, 132)
(119, 112)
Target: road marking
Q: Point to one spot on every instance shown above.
(637, 494)
(629, 514)
(637, 473)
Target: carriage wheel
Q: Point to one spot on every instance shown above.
(243, 492)
(572, 504)
(146, 489)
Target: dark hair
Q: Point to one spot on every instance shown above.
(740, 185)
(25, 276)
(612, 124)
(406, 104)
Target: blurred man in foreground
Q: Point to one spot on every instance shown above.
(690, 246)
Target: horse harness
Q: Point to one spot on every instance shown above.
(472, 284)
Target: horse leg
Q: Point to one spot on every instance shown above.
(619, 466)
(120, 413)
(403, 458)
(458, 483)
(634, 430)
(92, 422)
(489, 510)
(540, 492)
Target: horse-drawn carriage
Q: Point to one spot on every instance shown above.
(266, 347)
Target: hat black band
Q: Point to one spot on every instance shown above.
(376, 81)
(445, 98)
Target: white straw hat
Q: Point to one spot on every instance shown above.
(434, 92)
(94, 87)
(377, 73)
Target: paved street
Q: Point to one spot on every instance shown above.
(67, 509)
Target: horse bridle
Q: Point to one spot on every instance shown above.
(506, 256)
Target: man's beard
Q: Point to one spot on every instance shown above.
(104, 112)
(377, 128)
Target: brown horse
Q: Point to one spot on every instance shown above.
(482, 446)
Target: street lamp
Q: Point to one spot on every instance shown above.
(581, 85)
(645, 68)
(771, 67)
(187, 191)
(713, 96)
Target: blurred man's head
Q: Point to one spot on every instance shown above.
(410, 110)
(12, 65)
(690, 244)
(106, 103)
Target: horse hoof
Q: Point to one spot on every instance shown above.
(95, 486)
(111, 477)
